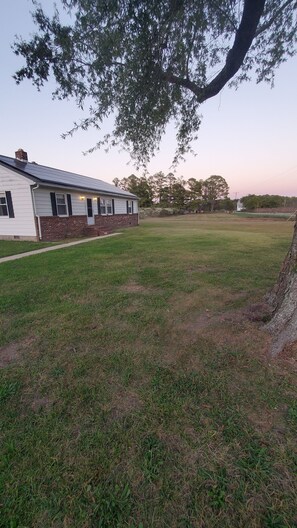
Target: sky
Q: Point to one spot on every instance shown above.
(247, 136)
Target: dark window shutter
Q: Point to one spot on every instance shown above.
(99, 206)
(89, 207)
(9, 204)
(132, 207)
(69, 203)
(112, 201)
(54, 204)
(127, 204)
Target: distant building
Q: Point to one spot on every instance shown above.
(239, 206)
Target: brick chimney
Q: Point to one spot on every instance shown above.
(21, 155)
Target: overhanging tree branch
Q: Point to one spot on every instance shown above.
(277, 13)
(252, 12)
(131, 60)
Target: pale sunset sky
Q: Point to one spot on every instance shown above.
(247, 136)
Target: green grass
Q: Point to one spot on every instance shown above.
(137, 394)
(13, 247)
(285, 216)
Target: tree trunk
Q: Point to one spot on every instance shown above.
(283, 300)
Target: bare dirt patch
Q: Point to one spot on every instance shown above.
(123, 403)
(134, 306)
(269, 421)
(289, 354)
(252, 313)
(133, 287)
(209, 318)
(13, 352)
(36, 403)
(9, 354)
(204, 302)
(240, 329)
(41, 403)
(245, 336)
(258, 312)
(289, 350)
(179, 356)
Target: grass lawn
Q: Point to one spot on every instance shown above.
(134, 390)
(13, 247)
(287, 216)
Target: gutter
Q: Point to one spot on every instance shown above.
(34, 188)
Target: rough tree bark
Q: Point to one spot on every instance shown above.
(283, 300)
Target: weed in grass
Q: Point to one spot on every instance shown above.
(154, 457)
(229, 421)
(172, 388)
(274, 519)
(189, 385)
(113, 503)
(208, 495)
(218, 488)
(57, 372)
(292, 415)
(255, 464)
(185, 523)
(80, 367)
(8, 389)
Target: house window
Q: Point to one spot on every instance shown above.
(103, 206)
(106, 206)
(3, 205)
(129, 207)
(61, 204)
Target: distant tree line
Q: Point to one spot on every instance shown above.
(169, 191)
(267, 201)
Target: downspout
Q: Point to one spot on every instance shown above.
(35, 210)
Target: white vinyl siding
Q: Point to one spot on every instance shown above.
(120, 206)
(23, 223)
(44, 208)
(135, 206)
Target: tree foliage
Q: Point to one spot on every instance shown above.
(139, 186)
(150, 63)
(214, 189)
(268, 201)
(169, 191)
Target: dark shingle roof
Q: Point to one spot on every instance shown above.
(50, 176)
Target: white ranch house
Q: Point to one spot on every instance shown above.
(43, 203)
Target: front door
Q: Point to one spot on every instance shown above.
(90, 212)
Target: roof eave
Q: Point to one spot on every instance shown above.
(47, 183)
(34, 179)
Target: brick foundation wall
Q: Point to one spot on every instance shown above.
(58, 228)
(114, 221)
